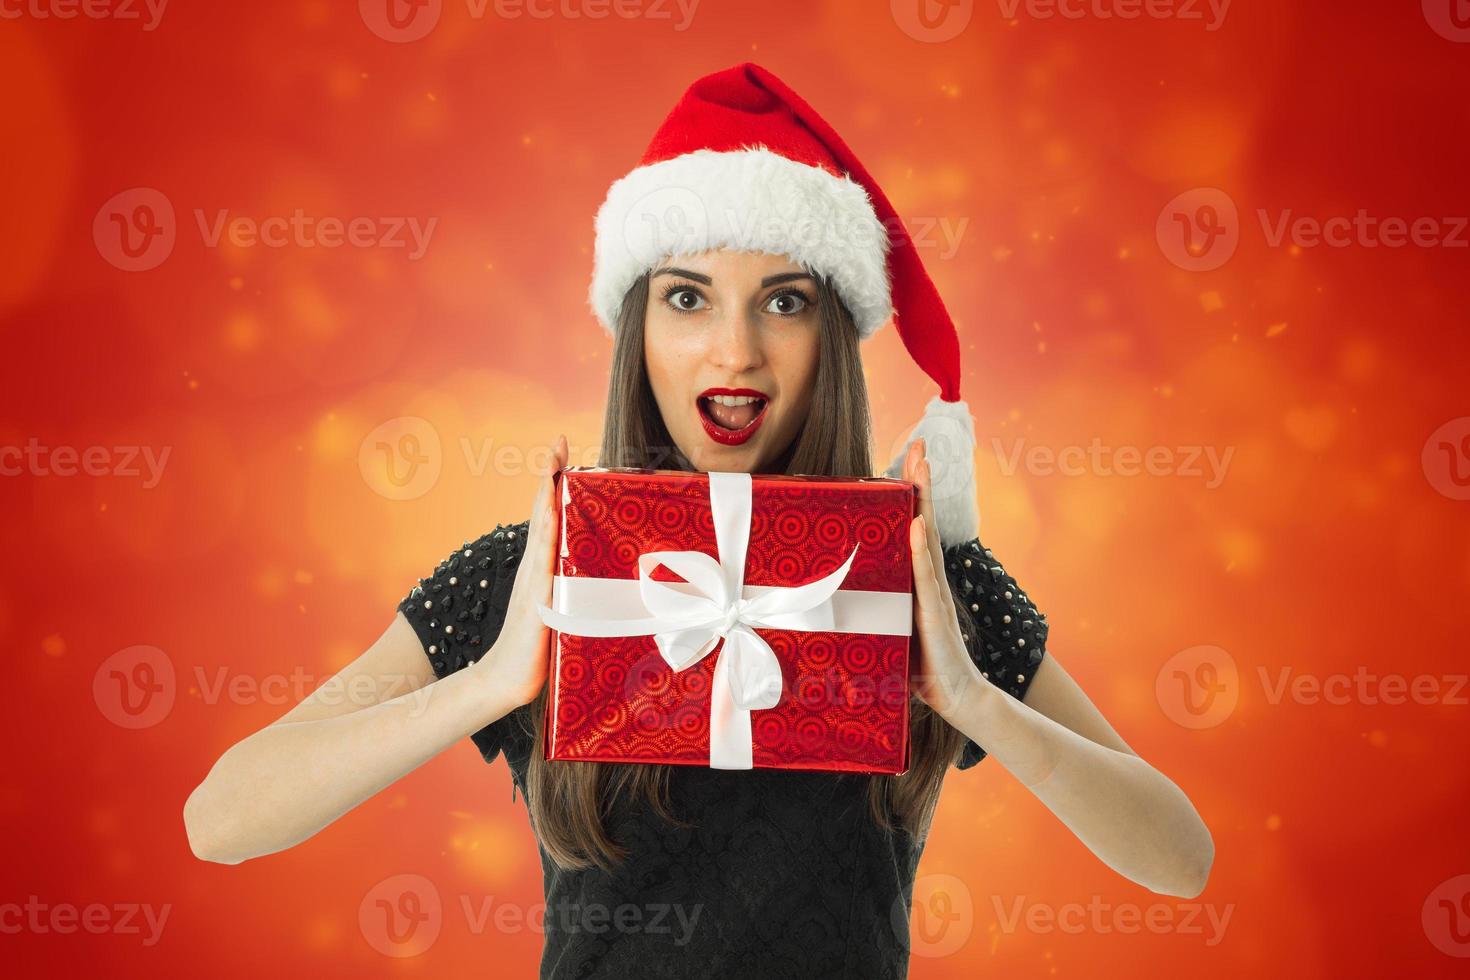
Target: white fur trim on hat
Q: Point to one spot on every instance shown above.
(948, 431)
(751, 200)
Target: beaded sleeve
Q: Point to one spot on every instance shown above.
(1009, 636)
(459, 610)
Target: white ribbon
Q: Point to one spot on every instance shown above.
(688, 620)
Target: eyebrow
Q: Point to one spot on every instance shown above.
(706, 280)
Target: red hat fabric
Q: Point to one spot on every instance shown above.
(742, 162)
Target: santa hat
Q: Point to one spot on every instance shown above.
(743, 163)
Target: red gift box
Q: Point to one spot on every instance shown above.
(807, 682)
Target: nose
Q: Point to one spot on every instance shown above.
(735, 343)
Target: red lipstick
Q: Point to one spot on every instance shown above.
(722, 435)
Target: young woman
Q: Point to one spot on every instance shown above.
(758, 873)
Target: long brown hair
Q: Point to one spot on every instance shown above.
(571, 801)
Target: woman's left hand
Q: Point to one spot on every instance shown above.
(945, 672)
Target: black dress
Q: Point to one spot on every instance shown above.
(784, 873)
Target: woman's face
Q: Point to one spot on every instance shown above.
(727, 327)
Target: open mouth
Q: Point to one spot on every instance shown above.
(732, 415)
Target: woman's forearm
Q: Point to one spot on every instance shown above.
(284, 783)
(1127, 812)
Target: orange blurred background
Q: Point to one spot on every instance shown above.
(1226, 456)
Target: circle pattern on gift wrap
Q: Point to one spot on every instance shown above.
(611, 717)
(852, 736)
(689, 721)
(786, 564)
(629, 513)
(612, 674)
(858, 653)
(820, 651)
(668, 516)
(792, 527)
(812, 733)
(594, 509)
(585, 550)
(571, 713)
(695, 684)
(648, 718)
(872, 532)
(760, 525)
(830, 531)
(574, 670)
(770, 727)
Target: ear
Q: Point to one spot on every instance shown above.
(948, 431)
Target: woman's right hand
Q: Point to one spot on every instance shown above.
(517, 663)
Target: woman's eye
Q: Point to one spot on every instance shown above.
(787, 304)
(684, 300)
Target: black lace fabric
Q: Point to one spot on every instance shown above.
(783, 874)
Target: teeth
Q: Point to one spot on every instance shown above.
(731, 401)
